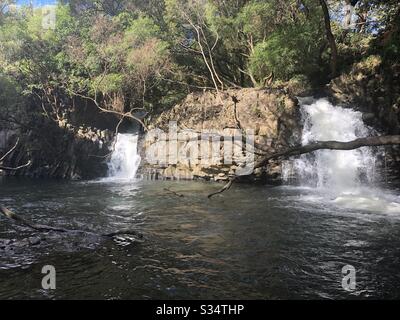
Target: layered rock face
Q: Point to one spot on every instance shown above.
(211, 136)
(373, 88)
(59, 151)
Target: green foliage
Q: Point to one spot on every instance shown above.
(287, 52)
(110, 83)
(9, 92)
(257, 18)
(142, 29)
(151, 53)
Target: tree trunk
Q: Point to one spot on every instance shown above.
(330, 38)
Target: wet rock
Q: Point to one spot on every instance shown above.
(369, 118)
(34, 241)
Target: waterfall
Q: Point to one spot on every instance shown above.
(341, 179)
(333, 170)
(125, 159)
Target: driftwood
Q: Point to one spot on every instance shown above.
(174, 192)
(44, 228)
(319, 145)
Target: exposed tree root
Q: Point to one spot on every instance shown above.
(9, 151)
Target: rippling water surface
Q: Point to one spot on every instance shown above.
(253, 242)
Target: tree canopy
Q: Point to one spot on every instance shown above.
(146, 55)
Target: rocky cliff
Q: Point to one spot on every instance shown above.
(205, 121)
(372, 87)
(58, 151)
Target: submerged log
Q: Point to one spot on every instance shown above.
(174, 192)
(44, 228)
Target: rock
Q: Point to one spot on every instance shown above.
(268, 131)
(272, 114)
(34, 241)
(368, 118)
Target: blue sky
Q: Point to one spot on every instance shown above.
(37, 2)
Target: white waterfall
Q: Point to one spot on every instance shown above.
(344, 179)
(125, 159)
(331, 169)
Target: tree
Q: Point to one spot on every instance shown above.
(330, 37)
(192, 18)
(120, 73)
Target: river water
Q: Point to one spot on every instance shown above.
(252, 242)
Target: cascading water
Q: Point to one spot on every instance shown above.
(342, 178)
(332, 169)
(125, 159)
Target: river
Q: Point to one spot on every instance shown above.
(252, 242)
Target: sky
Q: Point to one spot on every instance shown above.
(37, 2)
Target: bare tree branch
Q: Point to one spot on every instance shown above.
(122, 114)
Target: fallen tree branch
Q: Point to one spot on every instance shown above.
(332, 145)
(44, 228)
(319, 145)
(224, 188)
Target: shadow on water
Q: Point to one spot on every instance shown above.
(252, 242)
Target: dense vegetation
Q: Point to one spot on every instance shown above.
(125, 56)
